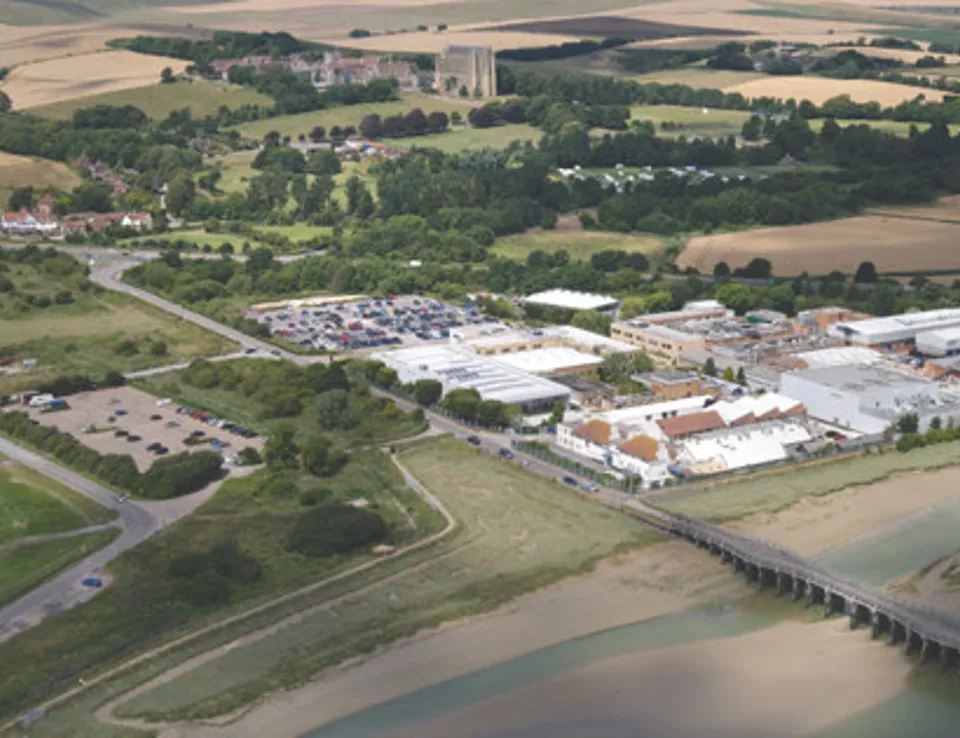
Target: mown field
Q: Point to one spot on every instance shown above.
(579, 245)
(20, 171)
(460, 139)
(32, 505)
(692, 121)
(350, 115)
(98, 331)
(769, 492)
(159, 100)
(820, 89)
(519, 532)
(893, 244)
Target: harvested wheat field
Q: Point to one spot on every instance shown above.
(56, 80)
(820, 89)
(19, 171)
(24, 44)
(946, 209)
(893, 244)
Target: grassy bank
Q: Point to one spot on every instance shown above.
(31, 505)
(23, 567)
(769, 492)
(519, 532)
(150, 600)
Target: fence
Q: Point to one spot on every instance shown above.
(545, 454)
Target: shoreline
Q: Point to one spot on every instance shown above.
(664, 579)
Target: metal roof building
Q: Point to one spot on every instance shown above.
(455, 368)
(896, 328)
(868, 399)
(572, 300)
(552, 359)
(942, 342)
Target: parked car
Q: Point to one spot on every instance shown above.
(506, 453)
(161, 451)
(95, 582)
(120, 412)
(120, 433)
(133, 439)
(154, 446)
(475, 440)
(156, 417)
(571, 481)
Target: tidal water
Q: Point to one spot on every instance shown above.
(928, 707)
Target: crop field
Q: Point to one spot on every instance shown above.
(56, 80)
(33, 505)
(430, 42)
(519, 532)
(894, 244)
(693, 121)
(22, 44)
(896, 127)
(612, 26)
(579, 245)
(820, 89)
(350, 115)
(20, 171)
(97, 332)
(772, 491)
(945, 210)
(159, 100)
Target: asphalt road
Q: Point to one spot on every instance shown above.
(65, 591)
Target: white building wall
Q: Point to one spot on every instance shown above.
(824, 403)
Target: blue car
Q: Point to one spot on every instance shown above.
(571, 481)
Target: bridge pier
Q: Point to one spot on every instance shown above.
(928, 650)
(910, 640)
(739, 564)
(897, 633)
(725, 556)
(784, 583)
(878, 623)
(798, 588)
(948, 657)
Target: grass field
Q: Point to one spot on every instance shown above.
(579, 245)
(198, 238)
(20, 171)
(769, 492)
(694, 121)
(459, 139)
(519, 532)
(84, 336)
(23, 567)
(31, 505)
(892, 243)
(159, 100)
(68, 78)
(699, 76)
(303, 123)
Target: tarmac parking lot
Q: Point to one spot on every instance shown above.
(125, 420)
(371, 322)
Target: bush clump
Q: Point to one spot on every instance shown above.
(335, 529)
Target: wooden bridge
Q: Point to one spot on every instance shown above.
(932, 633)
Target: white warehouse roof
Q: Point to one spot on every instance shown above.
(456, 368)
(896, 327)
(840, 356)
(546, 360)
(939, 342)
(572, 300)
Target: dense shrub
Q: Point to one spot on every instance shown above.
(205, 578)
(335, 529)
(180, 474)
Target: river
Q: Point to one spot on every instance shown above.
(607, 684)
